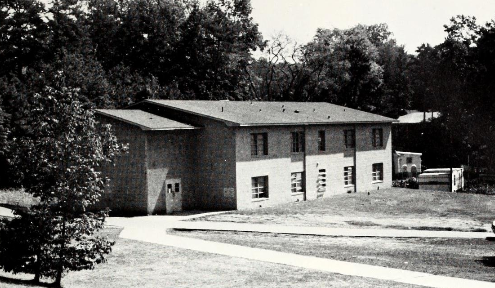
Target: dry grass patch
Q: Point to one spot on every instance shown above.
(140, 264)
(470, 259)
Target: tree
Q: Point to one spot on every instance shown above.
(24, 35)
(58, 160)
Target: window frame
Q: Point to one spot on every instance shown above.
(350, 138)
(297, 184)
(297, 141)
(377, 174)
(321, 141)
(377, 137)
(258, 184)
(257, 148)
(352, 176)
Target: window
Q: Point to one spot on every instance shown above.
(259, 144)
(177, 187)
(350, 138)
(259, 187)
(377, 173)
(377, 137)
(321, 140)
(321, 182)
(409, 160)
(296, 181)
(297, 142)
(349, 175)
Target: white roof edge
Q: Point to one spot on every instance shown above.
(412, 153)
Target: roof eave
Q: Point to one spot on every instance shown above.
(227, 122)
(142, 127)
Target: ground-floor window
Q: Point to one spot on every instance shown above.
(297, 182)
(259, 187)
(377, 173)
(321, 182)
(349, 175)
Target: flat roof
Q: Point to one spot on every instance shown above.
(260, 113)
(145, 120)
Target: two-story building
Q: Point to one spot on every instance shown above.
(237, 155)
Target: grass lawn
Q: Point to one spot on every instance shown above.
(139, 264)
(388, 208)
(470, 259)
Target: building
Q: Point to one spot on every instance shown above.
(406, 164)
(238, 155)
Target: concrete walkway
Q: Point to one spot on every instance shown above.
(159, 236)
(152, 229)
(324, 231)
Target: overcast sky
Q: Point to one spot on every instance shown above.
(412, 22)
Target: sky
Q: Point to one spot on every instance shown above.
(412, 22)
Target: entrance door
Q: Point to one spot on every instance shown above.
(173, 196)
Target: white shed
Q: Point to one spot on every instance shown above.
(406, 164)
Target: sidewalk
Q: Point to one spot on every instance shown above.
(324, 231)
(321, 264)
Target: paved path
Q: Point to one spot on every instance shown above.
(324, 231)
(152, 229)
(159, 236)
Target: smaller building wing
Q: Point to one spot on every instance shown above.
(145, 120)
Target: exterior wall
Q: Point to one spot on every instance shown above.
(126, 192)
(280, 162)
(368, 155)
(399, 160)
(213, 158)
(168, 157)
(215, 166)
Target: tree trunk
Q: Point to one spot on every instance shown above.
(58, 280)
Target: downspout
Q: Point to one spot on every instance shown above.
(355, 159)
(304, 164)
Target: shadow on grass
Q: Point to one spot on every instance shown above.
(25, 282)
(488, 261)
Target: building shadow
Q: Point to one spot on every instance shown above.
(24, 282)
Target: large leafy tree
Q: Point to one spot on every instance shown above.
(58, 158)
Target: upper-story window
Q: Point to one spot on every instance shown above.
(297, 142)
(350, 138)
(259, 144)
(377, 137)
(409, 160)
(321, 140)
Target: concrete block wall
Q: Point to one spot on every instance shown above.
(367, 155)
(126, 192)
(214, 163)
(280, 162)
(168, 157)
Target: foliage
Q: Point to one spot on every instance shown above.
(58, 159)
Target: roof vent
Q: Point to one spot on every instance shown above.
(296, 111)
(328, 117)
(283, 110)
(314, 109)
(260, 110)
(222, 108)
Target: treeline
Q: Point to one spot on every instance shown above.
(121, 52)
